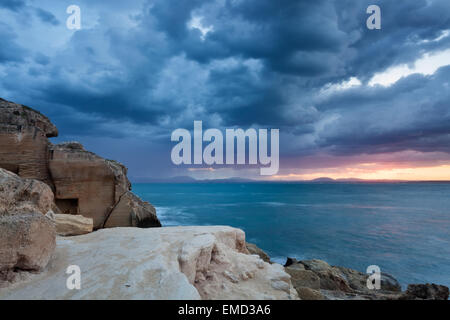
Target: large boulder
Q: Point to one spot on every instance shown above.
(24, 195)
(158, 263)
(27, 242)
(132, 211)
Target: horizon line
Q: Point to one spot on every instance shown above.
(188, 179)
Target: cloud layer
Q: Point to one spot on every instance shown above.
(140, 69)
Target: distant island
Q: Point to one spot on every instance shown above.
(188, 179)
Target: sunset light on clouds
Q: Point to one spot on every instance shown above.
(349, 102)
(437, 173)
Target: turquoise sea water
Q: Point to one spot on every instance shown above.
(403, 228)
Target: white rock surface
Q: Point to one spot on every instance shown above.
(157, 263)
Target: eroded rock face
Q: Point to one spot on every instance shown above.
(96, 188)
(83, 182)
(121, 182)
(19, 195)
(71, 225)
(253, 249)
(27, 242)
(158, 263)
(23, 141)
(132, 211)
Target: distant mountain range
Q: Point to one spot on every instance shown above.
(187, 179)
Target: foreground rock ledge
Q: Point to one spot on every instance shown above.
(159, 263)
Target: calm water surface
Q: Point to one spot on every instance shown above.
(403, 228)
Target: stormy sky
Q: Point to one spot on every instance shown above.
(349, 101)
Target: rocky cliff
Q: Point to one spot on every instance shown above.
(23, 141)
(83, 182)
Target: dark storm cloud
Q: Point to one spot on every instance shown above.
(405, 26)
(47, 17)
(291, 36)
(10, 51)
(412, 114)
(244, 101)
(13, 5)
(137, 70)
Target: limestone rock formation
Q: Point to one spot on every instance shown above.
(27, 237)
(27, 242)
(83, 182)
(23, 141)
(132, 211)
(24, 195)
(158, 263)
(96, 188)
(70, 224)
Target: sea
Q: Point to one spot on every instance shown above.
(404, 228)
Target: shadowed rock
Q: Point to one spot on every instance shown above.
(27, 242)
(333, 282)
(97, 188)
(426, 292)
(132, 211)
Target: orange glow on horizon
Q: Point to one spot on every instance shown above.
(434, 173)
